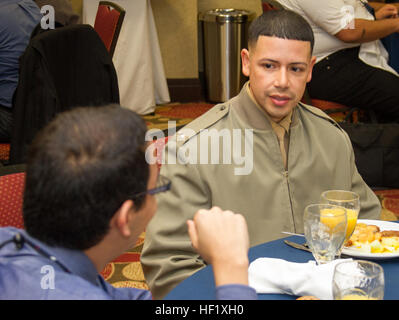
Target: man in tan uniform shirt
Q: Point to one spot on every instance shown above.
(292, 153)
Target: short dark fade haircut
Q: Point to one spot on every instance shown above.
(81, 167)
(284, 24)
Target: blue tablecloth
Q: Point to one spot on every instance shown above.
(200, 286)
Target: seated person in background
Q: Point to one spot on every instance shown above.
(352, 64)
(391, 43)
(64, 13)
(89, 194)
(18, 18)
(293, 152)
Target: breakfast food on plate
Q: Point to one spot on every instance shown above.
(308, 298)
(370, 239)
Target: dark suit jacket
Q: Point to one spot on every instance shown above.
(60, 69)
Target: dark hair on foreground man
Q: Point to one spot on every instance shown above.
(89, 194)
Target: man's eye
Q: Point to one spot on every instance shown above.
(268, 66)
(297, 69)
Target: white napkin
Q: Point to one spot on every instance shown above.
(270, 275)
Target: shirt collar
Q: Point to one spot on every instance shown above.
(76, 261)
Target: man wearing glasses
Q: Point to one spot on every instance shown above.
(89, 194)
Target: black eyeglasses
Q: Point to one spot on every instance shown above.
(163, 184)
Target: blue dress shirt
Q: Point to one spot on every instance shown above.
(18, 18)
(34, 270)
(27, 274)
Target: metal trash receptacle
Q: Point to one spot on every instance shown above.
(225, 33)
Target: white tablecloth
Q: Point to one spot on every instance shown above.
(137, 58)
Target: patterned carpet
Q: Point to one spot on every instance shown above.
(179, 113)
(390, 204)
(126, 271)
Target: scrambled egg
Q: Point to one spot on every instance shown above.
(369, 239)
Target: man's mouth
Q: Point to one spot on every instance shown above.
(280, 100)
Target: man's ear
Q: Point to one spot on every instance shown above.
(122, 218)
(311, 65)
(245, 62)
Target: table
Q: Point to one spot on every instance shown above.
(137, 58)
(200, 286)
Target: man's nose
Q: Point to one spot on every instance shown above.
(281, 79)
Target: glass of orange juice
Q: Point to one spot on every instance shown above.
(358, 280)
(325, 230)
(347, 199)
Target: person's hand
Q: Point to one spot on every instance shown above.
(221, 238)
(387, 11)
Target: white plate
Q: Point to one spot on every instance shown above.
(384, 225)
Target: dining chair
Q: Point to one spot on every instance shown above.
(337, 111)
(4, 152)
(108, 23)
(12, 187)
